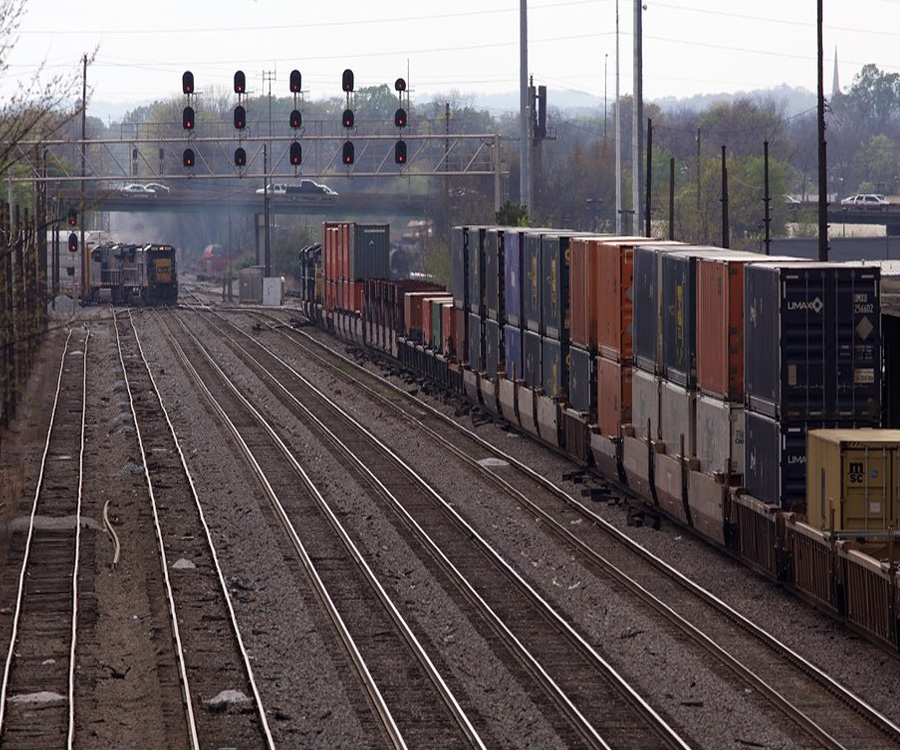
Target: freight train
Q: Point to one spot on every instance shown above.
(134, 274)
(738, 394)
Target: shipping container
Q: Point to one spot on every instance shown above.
(512, 287)
(494, 276)
(582, 312)
(459, 263)
(646, 300)
(461, 327)
(853, 480)
(476, 342)
(613, 299)
(533, 285)
(448, 330)
(415, 312)
(677, 418)
(555, 280)
(369, 252)
(493, 343)
(582, 380)
(812, 341)
(475, 243)
(645, 404)
(512, 343)
(614, 397)
(554, 367)
(531, 355)
(775, 458)
(720, 436)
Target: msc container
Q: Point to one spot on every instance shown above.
(555, 280)
(720, 436)
(459, 263)
(582, 380)
(531, 355)
(532, 287)
(678, 418)
(494, 276)
(512, 286)
(475, 243)
(812, 341)
(493, 353)
(853, 480)
(645, 404)
(512, 339)
(476, 342)
(614, 397)
(554, 367)
(369, 253)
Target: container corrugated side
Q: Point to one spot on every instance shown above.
(512, 289)
(678, 418)
(614, 396)
(555, 279)
(582, 390)
(369, 252)
(554, 367)
(531, 354)
(512, 336)
(492, 348)
(720, 436)
(720, 327)
(533, 285)
(493, 274)
(582, 315)
(853, 480)
(448, 330)
(475, 244)
(458, 267)
(645, 404)
(476, 342)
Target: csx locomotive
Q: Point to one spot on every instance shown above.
(134, 274)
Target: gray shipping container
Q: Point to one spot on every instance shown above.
(644, 403)
(677, 417)
(720, 435)
(370, 252)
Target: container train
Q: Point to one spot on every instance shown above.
(738, 394)
(134, 274)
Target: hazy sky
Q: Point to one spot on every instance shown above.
(690, 46)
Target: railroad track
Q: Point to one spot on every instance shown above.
(592, 704)
(400, 684)
(214, 668)
(830, 714)
(39, 668)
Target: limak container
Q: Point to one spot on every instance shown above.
(812, 338)
(853, 480)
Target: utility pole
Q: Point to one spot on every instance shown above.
(524, 109)
(605, 64)
(823, 167)
(618, 136)
(637, 124)
(85, 267)
(267, 76)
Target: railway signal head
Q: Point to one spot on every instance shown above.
(348, 119)
(400, 152)
(187, 82)
(187, 158)
(73, 243)
(295, 81)
(400, 118)
(240, 82)
(347, 154)
(240, 157)
(187, 118)
(296, 155)
(296, 119)
(240, 117)
(347, 80)
(399, 85)
(73, 217)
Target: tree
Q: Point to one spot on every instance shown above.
(511, 215)
(38, 109)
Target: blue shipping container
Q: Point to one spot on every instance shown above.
(475, 243)
(532, 286)
(531, 355)
(512, 339)
(512, 287)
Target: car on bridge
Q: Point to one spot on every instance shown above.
(864, 201)
(137, 190)
(277, 189)
(305, 188)
(157, 187)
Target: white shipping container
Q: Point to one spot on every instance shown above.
(273, 291)
(644, 403)
(720, 435)
(677, 417)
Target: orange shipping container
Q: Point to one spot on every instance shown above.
(615, 265)
(720, 327)
(613, 396)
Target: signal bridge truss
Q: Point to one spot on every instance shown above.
(122, 160)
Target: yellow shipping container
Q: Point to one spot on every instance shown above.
(853, 479)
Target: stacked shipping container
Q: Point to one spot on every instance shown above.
(353, 253)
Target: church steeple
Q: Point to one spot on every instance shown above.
(835, 84)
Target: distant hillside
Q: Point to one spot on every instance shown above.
(794, 100)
